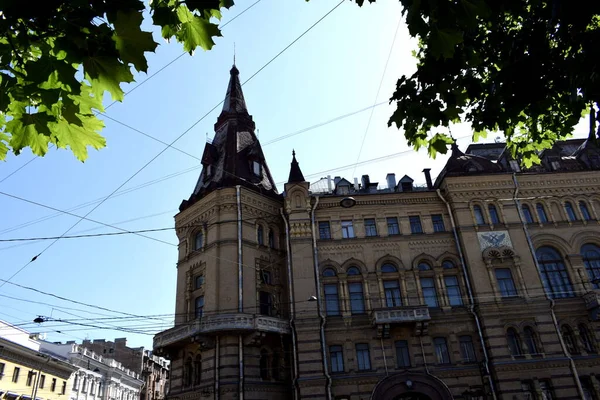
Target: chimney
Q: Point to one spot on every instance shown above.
(336, 180)
(356, 184)
(329, 188)
(365, 182)
(427, 173)
(391, 181)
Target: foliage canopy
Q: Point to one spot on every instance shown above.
(57, 59)
(527, 68)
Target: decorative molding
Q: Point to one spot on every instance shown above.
(494, 239)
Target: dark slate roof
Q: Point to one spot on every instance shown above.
(460, 163)
(296, 175)
(228, 160)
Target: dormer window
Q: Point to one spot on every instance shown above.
(209, 171)
(256, 168)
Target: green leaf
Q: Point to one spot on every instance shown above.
(29, 130)
(443, 42)
(4, 139)
(131, 41)
(106, 74)
(478, 135)
(195, 31)
(78, 138)
(439, 144)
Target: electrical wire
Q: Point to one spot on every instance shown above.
(378, 90)
(165, 149)
(140, 84)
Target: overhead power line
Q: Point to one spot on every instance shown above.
(170, 144)
(140, 84)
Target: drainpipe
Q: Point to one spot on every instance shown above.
(486, 358)
(288, 248)
(217, 357)
(423, 354)
(319, 300)
(384, 358)
(552, 303)
(240, 291)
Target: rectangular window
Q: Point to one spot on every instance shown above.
(332, 304)
(441, 350)
(53, 385)
(42, 381)
(546, 389)
(266, 303)
(15, 377)
(528, 390)
(1, 370)
(93, 388)
(370, 227)
(324, 230)
(392, 224)
(429, 294)
(392, 293)
(199, 306)
(588, 388)
(357, 303)
(453, 290)
(506, 285)
(63, 390)
(415, 224)
(265, 277)
(30, 376)
(337, 358)
(363, 358)
(438, 223)
(347, 230)
(402, 354)
(84, 386)
(467, 351)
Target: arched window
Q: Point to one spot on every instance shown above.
(479, 218)
(389, 268)
(264, 365)
(530, 340)
(554, 273)
(514, 342)
(586, 339)
(423, 266)
(448, 265)
(591, 260)
(569, 339)
(188, 372)
(197, 370)
(198, 241)
(585, 213)
(271, 237)
(541, 212)
(329, 272)
(352, 271)
(527, 214)
(570, 211)
(260, 235)
(494, 219)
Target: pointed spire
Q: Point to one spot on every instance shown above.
(296, 175)
(234, 99)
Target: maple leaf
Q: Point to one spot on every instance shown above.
(195, 31)
(106, 74)
(131, 41)
(78, 138)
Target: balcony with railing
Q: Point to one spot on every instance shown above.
(384, 318)
(211, 324)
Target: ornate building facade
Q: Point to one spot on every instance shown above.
(482, 284)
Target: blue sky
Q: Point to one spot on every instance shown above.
(333, 70)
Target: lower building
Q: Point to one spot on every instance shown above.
(96, 377)
(25, 372)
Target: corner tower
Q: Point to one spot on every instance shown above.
(232, 335)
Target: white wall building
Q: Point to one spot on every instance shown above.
(98, 377)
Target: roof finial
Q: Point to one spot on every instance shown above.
(233, 53)
(293, 153)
